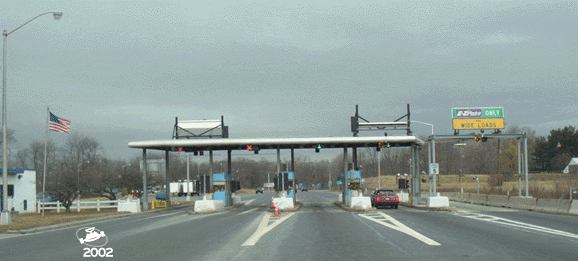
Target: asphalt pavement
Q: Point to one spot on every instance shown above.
(319, 230)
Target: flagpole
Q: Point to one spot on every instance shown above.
(45, 150)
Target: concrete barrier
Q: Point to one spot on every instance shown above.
(563, 205)
(209, 205)
(527, 203)
(403, 197)
(478, 198)
(546, 204)
(360, 202)
(129, 205)
(284, 203)
(439, 201)
(451, 195)
(236, 200)
(573, 207)
(462, 197)
(498, 200)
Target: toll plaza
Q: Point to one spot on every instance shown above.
(212, 135)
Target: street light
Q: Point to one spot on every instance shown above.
(5, 216)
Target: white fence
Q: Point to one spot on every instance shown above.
(98, 204)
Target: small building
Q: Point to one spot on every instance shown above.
(572, 167)
(21, 190)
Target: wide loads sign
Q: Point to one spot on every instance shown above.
(478, 118)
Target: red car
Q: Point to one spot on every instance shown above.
(384, 198)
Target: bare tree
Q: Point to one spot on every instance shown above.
(80, 158)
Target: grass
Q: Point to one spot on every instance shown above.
(30, 220)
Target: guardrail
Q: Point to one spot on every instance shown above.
(98, 204)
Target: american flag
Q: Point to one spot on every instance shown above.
(59, 124)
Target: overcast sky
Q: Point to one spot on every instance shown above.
(121, 71)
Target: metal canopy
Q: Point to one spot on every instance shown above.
(274, 143)
(472, 136)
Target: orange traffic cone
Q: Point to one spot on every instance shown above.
(272, 203)
(276, 211)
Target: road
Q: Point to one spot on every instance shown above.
(318, 231)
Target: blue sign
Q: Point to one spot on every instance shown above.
(319, 185)
(300, 185)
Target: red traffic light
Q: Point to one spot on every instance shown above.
(180, 149)
(249, 147)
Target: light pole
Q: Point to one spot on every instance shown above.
(379, 169)
(5, 216)
(188, 177)
(461, 145)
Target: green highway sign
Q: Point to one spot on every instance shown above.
(477, 113)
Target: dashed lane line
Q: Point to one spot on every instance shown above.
(248, 211)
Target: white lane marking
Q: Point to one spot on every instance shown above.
(513, 223)
(249, 202)
(248, 211)
(396, 225)
(262, 229)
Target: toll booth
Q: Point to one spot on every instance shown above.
(221, 183)
(354, 180)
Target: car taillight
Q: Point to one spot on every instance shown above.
(397, 198)
(379, 198)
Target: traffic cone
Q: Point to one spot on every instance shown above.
(276, 211)
(272, 203)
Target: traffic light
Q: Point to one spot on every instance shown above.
(477, 139)
(249, 147)
(201, 153)
(318, 148)
(184, 149)
(406, 184)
